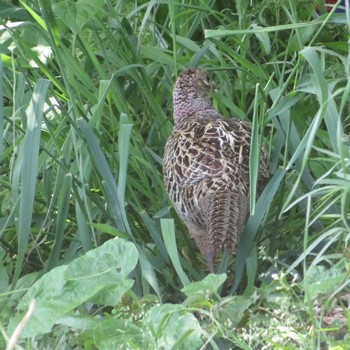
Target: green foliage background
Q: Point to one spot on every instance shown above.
(86, 228)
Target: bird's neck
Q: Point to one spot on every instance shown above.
(191, 106)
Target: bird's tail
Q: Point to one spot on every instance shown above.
(228, 211)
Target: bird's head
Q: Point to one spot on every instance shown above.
(194, 80)
(191, 93)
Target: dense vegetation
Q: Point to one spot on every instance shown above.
(86, 227)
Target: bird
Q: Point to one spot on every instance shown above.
(206, 167)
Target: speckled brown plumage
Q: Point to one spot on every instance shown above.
(206, 167)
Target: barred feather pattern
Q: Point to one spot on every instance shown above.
(206, 167)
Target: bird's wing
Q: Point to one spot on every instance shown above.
(217, 149)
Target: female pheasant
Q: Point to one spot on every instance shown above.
(206, 167)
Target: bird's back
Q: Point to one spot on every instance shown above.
(206, 171)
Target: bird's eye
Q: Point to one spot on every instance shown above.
(206, 80)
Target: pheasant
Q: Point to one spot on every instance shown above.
(206, 167)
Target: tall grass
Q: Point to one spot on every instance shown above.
(84, 116)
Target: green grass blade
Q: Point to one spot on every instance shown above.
(252, 268)
(84, 232)
(253, 224)
(1, 110)
(101, 165)
(36, 17)
(29, 170)
(123, 154)
(149, 275)
(254, 154)
(61, 221)
(168, 231)
(304, 148)
(222, 32)
(328, 106)
(155, 233)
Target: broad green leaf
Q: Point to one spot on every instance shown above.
(115, 333)
(208, 286)
(171, 326)
(99, 276)
(234, 308)
(202, 293)
(76, 14)
(322, 281)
